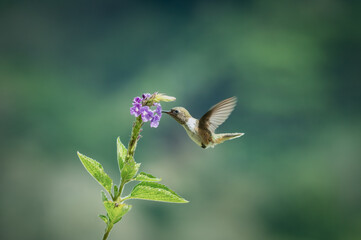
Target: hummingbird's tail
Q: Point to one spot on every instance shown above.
(221, 137)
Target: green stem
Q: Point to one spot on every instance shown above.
(121, 186)
(134, 137)
(126, 198)
(106, 234)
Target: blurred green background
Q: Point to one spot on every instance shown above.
(70, 69)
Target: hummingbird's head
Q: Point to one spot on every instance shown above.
(180, 114)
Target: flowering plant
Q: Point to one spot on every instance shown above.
(147, 189)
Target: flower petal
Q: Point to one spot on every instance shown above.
(158, 110)
(137, 100)
(146, 113)
(155, 121)
(146, 95)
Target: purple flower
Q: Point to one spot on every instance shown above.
(146, 95)
(146, 114)
(155, 121)
(137, 100)
(158, 110)
(136, 109)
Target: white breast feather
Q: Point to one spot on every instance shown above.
(191, 124)
(190, 129)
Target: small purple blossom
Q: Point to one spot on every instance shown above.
(155, 121)
(158, 110)
(135, 110)
(137, 100)
(156, 118)
(145, 112)
(146, 95)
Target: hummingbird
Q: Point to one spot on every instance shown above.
(202, 131)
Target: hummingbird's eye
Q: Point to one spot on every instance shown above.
(176, 111)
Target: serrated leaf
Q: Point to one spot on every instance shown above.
(116, 210)
(129, 170)
(104, 196)
(104, 218)
(96, 170)
(146, 177)
(121, 153)
(155, 192)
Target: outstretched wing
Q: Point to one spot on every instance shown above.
(217, 114)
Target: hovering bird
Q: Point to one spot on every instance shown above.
(202, 131)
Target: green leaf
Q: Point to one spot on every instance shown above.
(104, 196)
(116, 210)
(129, 170)
(104, 218)
(155, 192)
(121, 153)
(146, 177)
(96, 170)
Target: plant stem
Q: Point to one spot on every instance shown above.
(106, 234)
(120, 190)
(134, 137)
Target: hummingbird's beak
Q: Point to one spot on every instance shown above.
(167, 112)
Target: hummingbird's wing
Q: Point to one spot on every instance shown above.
(217, 114)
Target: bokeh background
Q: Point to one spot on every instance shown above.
(69, 71)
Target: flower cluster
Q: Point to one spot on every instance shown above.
(140, 108)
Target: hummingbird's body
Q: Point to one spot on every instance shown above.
(202, 131)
